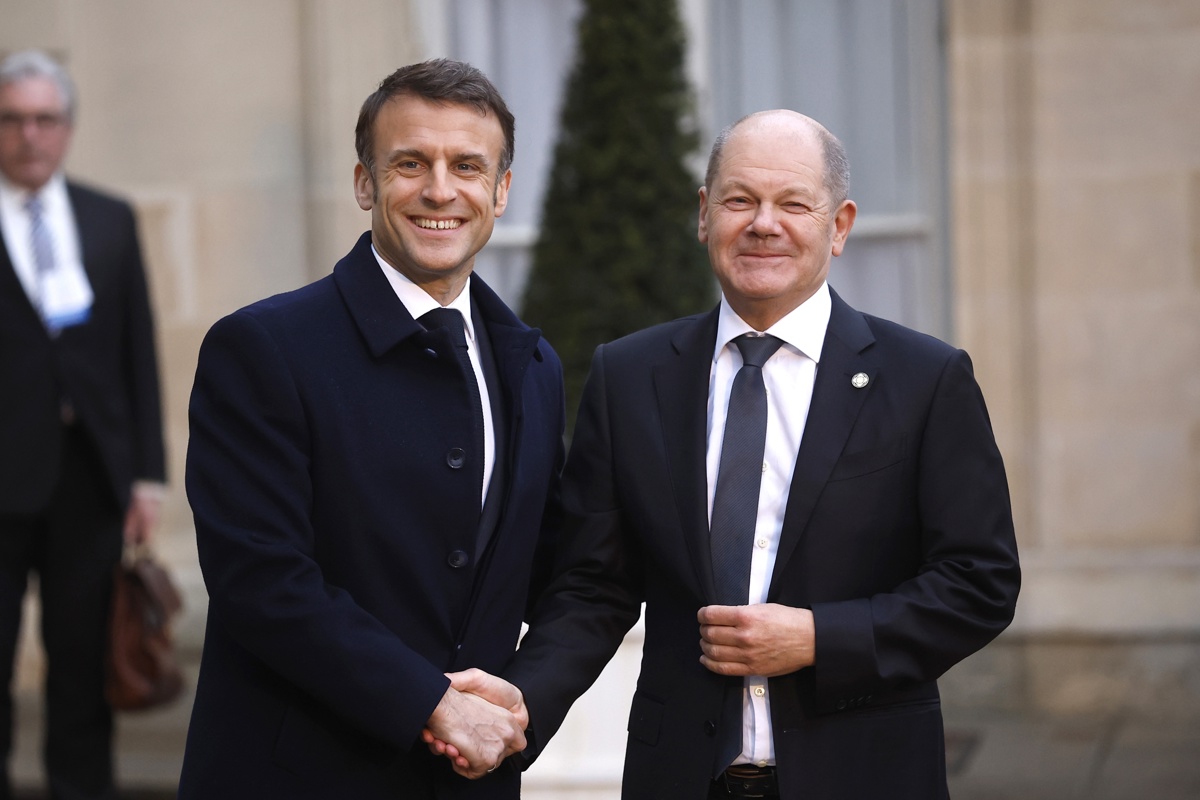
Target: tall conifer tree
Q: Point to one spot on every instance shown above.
(617, 249)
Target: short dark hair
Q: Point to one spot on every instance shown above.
(833, 152)
(439, 80)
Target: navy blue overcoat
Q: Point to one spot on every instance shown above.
(336, 533)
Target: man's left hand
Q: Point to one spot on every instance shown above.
(767, 639)
(141, 518)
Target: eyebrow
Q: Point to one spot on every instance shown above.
(396, 156)
(735, 186)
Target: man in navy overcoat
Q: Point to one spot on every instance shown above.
(374, 488)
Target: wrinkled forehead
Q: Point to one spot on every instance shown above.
(32, 93)
(772, 149)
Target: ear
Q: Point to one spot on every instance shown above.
(502, 192)
(702, 229)
(364, 187)
(843, 221)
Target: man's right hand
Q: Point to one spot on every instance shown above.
(478, 723)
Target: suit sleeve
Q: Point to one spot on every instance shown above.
(249, 486)
(963, 593)
(593, 598)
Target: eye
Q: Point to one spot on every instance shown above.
(737, 202)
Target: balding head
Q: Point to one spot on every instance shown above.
(836, 176)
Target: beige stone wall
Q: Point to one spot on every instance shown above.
(1075, 130)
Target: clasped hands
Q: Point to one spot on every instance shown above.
(765, 639)
(479, 722)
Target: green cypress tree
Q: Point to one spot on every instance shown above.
(617, 248)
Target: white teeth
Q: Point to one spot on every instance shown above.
(438, 224)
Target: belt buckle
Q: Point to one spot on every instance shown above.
(752, 782)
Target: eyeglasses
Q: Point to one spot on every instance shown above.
(11, 122)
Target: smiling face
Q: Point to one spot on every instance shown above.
(768, 220)
(34, 131)
(435, 193)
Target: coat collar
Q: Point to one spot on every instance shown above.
(384, 321)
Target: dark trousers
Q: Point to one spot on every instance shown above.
(73, 545)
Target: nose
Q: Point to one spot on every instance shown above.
(766, 221)
(439, 190)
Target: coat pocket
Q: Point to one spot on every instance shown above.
(645, 719)
(864, 462)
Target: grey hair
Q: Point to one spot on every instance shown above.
(833, 152)
(36, 64)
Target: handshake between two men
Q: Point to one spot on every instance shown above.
(479, 722)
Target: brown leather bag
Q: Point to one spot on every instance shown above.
(142, 671)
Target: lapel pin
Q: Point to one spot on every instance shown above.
(859, 380)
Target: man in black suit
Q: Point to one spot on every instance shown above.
(809, 501)
(81, 450)
(370, 460)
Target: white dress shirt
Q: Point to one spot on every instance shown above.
(64, 296)
(419, 302)
(789, 375)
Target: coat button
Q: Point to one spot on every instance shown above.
(430, 352)
(710, 728)
(458, 559)
(456, 458)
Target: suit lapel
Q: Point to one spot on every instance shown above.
(681, 387)
(831, 416)
(12, 291)
(89, 234)
(379, 314)
(514, 345)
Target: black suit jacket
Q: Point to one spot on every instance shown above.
(105, 367)
(897, 534)
(336, 528)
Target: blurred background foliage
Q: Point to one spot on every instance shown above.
(617, 249)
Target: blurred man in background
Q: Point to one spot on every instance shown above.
(81, 448)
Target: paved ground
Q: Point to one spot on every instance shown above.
(995, 757)
(990, 756)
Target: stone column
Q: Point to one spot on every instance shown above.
(1075, 168)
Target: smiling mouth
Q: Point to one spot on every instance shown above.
(437, 224)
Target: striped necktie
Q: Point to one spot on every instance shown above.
(43, 255)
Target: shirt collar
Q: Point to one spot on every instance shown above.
(803, 328)
(53, 193)
(419, 302)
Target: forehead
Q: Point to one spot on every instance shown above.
(34, 93)
(772, 153)
(411, 122)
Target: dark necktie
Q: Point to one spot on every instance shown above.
(43, 254)
(739, 476)
(455, 325)
(735, 510)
